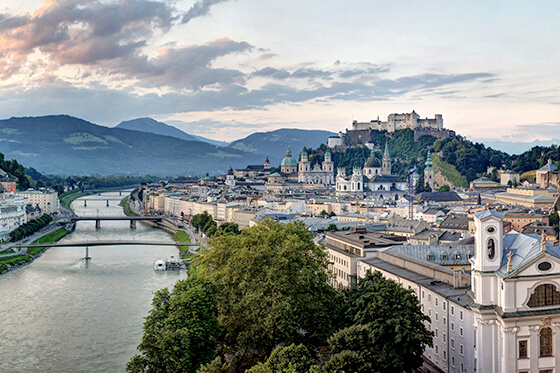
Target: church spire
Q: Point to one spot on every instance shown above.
(386, 164)
(386, 154)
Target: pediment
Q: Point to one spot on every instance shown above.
(542, 264)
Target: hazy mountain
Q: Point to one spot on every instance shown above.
(153, 126)
(275, 143)
(513, 147)
(65, 145)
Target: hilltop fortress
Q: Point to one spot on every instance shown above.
(361, 132)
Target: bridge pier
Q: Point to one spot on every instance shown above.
(107, 203)
(85, 202)
(97, 224)
(87, 257)
(133, 224)
(120, 193)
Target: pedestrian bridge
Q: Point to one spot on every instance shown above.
(88, 244)
(132, 219)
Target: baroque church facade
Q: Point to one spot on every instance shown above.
(302, 172)
(374, 178)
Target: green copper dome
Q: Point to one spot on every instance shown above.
(288, 159)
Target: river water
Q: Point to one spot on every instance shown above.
(61, 314)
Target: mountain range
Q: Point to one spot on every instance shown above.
(64, 145)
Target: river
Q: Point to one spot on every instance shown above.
(61, 314)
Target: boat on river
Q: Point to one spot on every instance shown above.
(169, 264)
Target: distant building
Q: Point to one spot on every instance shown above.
(12, 215)
(8, 184)
(46, 200)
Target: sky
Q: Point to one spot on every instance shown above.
(226, 68)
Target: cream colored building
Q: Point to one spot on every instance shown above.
(12, 215)
(46, 200)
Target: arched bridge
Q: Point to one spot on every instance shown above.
(132, 219)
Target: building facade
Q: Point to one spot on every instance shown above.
(46, 200)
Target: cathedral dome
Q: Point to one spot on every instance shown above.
(288, 159)
(372, 162)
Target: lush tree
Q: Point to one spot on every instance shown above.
(181, 330)
(215, 366)
(332, 227)
(387, 325)
(444, 188)
(554, 221)
(420, 184)
(427, 188)
(273, 288)
(346, 362)
(288, 359)
(231, 229)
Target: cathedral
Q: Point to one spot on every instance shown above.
(302, 172)
(374, 178)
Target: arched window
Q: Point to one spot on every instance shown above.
(546, 342)
(491, 249)
(358, 186)
(544, 295)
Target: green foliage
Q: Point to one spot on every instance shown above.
(181, 330)
(126, 208)
(30, 227)
(449, 172)
(273, 288)
(346, 362)
(215, 366)
(288, 359)
(554, 221)
(231, 229)
(388, 335)
(535, 158)
(444, 188)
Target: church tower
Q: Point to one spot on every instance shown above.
(267, 163)
(429, 171)
(230, 180)
(328, 168)
(386, 166)
(304, 166)
(488, 252)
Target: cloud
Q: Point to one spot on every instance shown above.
(109, 38)
(199, 9)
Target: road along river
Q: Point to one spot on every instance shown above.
(61, 314)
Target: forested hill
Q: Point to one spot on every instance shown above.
(64, 145)
(470, 159)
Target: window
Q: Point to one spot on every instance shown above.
(491, 248)
(461, 331)
(444, 321)
(436, 333)
(453, 361)
(436, 302)
(436, 316)
(545, 371)
(443, 306)
(444, 338)
(422, 293)
(462, 367)
(544, 295)
(437, 353)
(461, 349)
(452, 310)
(444, 355)
(452, 326)
(546, 342)
(430, 298)
(460, 315)
(452, 343)
(523, 349)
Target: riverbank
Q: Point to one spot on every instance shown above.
(8, 264)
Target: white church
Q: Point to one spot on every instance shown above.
(506, 321)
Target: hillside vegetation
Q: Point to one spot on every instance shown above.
(449, 172)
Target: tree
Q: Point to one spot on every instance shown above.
(273, 288)
(420, 184)
(494, 175)
(289, 359)
(444, 188)
(387, 325)
(231, 229)
(332, 227)
(553, 221)
(346, 362)
(215, 366)
(427, 188)
(181, 330)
